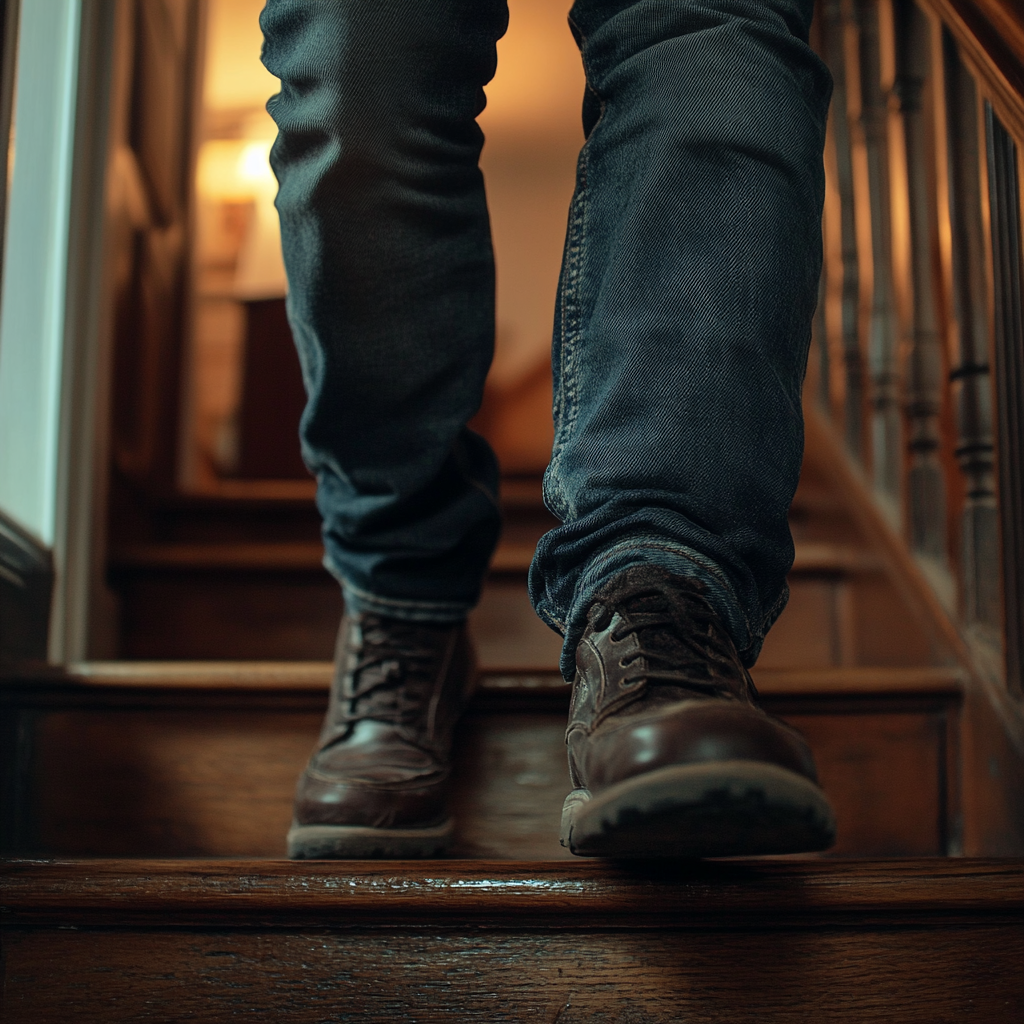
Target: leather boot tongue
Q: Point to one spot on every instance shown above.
(388, 684)
(661, 639)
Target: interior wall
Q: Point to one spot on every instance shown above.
(32, 308)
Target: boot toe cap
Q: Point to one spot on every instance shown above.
(388, 800)
(692, 732)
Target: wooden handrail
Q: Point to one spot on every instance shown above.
(990, 36)
(1006, 17)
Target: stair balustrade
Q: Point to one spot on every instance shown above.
(920, 346)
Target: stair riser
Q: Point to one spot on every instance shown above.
(216, 781)
(832, 619)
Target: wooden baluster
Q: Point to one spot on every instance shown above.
(819, 339)
(926, 488)
(886, 426)
(1008, 334)
(969, 371)
(834, 28)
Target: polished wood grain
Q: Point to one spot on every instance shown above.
(919, 975)
(992, 768)
(921, 941)
(693, 894)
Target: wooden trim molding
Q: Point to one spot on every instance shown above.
(26, 585)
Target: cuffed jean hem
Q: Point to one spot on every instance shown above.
(359, 602)
(678, 559)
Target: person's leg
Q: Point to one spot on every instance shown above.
(391, 287)
(688, 284)
(683, 324)
(391, 300)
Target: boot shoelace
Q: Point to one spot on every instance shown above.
(391, 676)
(679, 640)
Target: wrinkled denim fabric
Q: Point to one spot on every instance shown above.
(682, 326)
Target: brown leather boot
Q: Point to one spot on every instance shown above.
(377, 784)
(669, 754)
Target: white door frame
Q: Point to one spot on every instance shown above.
(55, 308)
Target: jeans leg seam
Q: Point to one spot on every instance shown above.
(567, 400)
(567, 404)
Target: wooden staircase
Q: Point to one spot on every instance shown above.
(145, 760)
(143, 798)
(199, 758)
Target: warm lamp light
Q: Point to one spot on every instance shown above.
(234, 170)
(254, 164)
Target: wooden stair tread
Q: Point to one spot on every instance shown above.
(316, 675)
(687, 894)
(917, 941)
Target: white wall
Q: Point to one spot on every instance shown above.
(32, 308)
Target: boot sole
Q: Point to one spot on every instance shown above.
(718, 809)
(358, 842)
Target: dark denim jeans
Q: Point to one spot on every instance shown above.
(683, 318)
